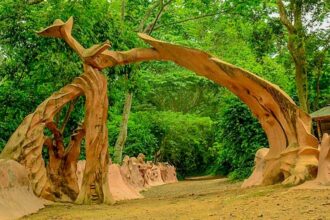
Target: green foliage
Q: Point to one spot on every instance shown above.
(141, 134)
(238, 138)
(184, 140)
(192, 122)
(177, 90)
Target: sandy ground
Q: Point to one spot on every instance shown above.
(204, 199)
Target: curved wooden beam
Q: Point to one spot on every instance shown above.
(287, 127)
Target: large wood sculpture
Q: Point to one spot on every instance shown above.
(292, 157)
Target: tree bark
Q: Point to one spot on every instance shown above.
(317, 96)
(121, 140)
(301, 83)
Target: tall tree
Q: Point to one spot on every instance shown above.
(291, 17)
(145, 28)
(300, 19)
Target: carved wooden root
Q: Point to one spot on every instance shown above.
(62, 164)
(59, 181)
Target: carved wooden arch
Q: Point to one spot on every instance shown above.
(293, 150)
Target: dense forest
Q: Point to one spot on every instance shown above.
(157, 108)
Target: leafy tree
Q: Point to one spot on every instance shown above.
(294, 15)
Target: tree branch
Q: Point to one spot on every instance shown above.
(146, 16)
(151, 26)
(284, 17)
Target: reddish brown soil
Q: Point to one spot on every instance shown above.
(204, 199)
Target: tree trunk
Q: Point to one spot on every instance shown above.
(317, 97)
(319, 62)
(296, 46)
(121, 140)
(301, 83)
(120, 143)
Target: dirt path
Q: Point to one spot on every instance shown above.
(205, 199)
